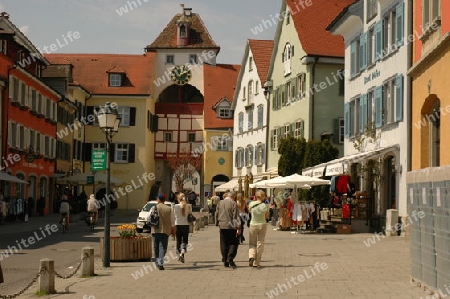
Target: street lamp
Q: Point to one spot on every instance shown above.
(108, 121)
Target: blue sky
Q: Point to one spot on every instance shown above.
(102, 30)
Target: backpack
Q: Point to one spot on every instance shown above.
(153, 220)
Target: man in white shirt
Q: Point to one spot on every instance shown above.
(92, 206)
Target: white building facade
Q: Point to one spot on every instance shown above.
(377, 93)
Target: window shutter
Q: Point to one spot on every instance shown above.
(131, 152)
(112, 152)
(378, 40)
(250, 155)
(26, 139)
(363, 51)
(353, 60)
(270, 140)
(364, 111)
(274, 100)
(263, 153)
(284, 94)
(399, 20)
(132, 116)
(54, 149)
(154, 123)
(17, 143)
(378, 98)
(27, 96)
(9, 133)
(399, 98)
(292, 51)
(87, 151)
(236, 158)
(242, 157)
(11, 87)
(347, 120)
(294, 95)
(89, 111)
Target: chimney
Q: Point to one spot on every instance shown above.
(5, 15)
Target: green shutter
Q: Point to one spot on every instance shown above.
(399, 98)
(378, 98)
(347, 120)
(361, 117)
(363, 51)
(378, 40)
(353, 66)
(364, 112)
(399, 20)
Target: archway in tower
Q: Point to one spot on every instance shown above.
(181, 94)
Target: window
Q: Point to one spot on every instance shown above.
(21, 137)
(222, 143)
(341, 76)
(250, 63)
(249, 156)
(115, 80)
(239, 158)
(250, 92)
(193, 59)
(286, 58)
(301, 85)
(20, 188)
(275, 139)
(341, 130)
(183, 31)
(259, 153)
(168, 137)
(3, 45)
(299, 129)
(244, 95)
(47, 146)
(224, 113)
(241, 122)
(371, 6)
(32, 140)
(170, 59)
(288, 17)
(370, 101)
(286, 131)
(13, 135)
(48, 107)
(99, 146)
(250, 119)
(191, 136)
(38, 142)
(124, 113)
(23, 95)
(355, 112)
(260, 116)
(256, 87)
(14, 89)
(387, 108)
(33, 100)
(121, 153)
(430, 13)
(40, 104)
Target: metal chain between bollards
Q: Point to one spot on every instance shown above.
(26, 288)
(75, 271)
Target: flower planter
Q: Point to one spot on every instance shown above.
(128, 249)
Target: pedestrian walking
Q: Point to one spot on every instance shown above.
(243, 214)
(227, 219)
(162, 232)
(215, 199)
(181, 211)
(258, 227)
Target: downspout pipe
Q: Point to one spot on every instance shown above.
(313, 112)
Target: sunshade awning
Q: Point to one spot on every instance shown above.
(230, 185)
(10, 178)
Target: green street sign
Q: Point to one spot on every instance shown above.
(98, 160)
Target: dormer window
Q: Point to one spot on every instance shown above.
(183, 31)
(224, 113)
(223, 108)
(115, 80)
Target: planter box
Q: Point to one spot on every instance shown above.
(134, 249)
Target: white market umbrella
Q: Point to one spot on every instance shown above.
(299, 180)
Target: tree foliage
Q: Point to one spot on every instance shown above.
(296, 154)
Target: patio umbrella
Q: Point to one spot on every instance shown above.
(7, 177)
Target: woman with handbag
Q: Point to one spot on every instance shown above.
(181, 211)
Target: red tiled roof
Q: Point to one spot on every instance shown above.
(262, 51)
(219, 82)
(90, 70)
(199, 36)
(311, 23)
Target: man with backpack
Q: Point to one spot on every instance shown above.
(162, 229)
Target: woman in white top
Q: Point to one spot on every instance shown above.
(181, 211)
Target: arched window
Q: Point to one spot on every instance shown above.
(435, 134)
(43, 187)
(249, 155)
(183, 31)
(20, 188)
(287, 54)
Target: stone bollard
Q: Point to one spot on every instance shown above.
(87, 255)
(47, 277)
(200, 221)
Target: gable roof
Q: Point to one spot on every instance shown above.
(91, 71)
(262, 51)
(219, 82)
(199, 36)
(311, 23)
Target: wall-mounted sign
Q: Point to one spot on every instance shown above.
(372, 76)
(98, 160)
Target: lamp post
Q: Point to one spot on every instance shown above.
(108, 121)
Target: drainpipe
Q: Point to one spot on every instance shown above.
(267, 96)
